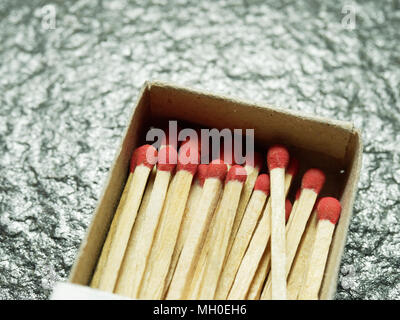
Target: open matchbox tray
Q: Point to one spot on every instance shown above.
(331, 145)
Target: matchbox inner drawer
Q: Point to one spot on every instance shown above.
(333, 146)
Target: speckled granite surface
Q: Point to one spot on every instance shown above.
(65, 94)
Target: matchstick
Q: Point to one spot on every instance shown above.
(142, 163)
(194, 290)
(139, 246)
(223, 226)
(300, 262)
(295, 203)
(249, 277)
(137, 225)
(191, 207)
(278, 159)
(195, 286)
(312, 183)
(181, 281)
(265, 263)
(252, 166)
(153, 283)
(246, 229)
(328, 212)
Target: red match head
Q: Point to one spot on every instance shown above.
(237, 173)
(167, 158)
(145, 155)
(277, 157)
(227, 155)
(188, 158)
(293, 167)
(202, 173)
(263, 183)
(313, 179)
(288, 209)
(329, 208)
(217, 169)
(192, 144)
(255, 160)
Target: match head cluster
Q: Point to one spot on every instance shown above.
(247, 208)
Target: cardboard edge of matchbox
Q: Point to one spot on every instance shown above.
(87, 255)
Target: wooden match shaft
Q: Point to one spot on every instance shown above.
(300, 262)
(221, 233)
(106, 246)
(252, 173)
(328, 212)
(136, 227)
(200, 268)
(137, 252)
(241, 242)
(265, 263)
(120, 234)
(296, 201)
(263, 269)
(153, 284)
(305, 206)
(180, 285)
(294, 234)
(277, 160)
(250, 278)
(191, 206)
(195, 286)
(278, 252)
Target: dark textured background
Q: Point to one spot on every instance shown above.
(65, 95)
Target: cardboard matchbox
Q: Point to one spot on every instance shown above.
(333, 146)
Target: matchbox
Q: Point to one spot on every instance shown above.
(331, 145)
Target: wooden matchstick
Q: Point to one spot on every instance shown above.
(252, 166)
(221, 233)
(153, 283)
(142, 163)
(246, 229)
(191, 207)
(180, 285)
(250, 278)
(295, 203)
(136, 227)
(278, 159)
(312, 183)
(300, 262)
(265, 263)
(195, 286)
(328, 212)
(139, 246)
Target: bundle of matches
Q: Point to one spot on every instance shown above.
(185, 230)
(113, 252)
